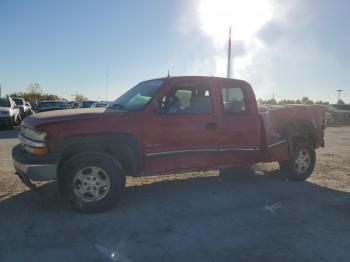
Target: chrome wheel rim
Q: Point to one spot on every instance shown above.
(91, 184)
(302, 161)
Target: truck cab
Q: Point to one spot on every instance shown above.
(201, 123)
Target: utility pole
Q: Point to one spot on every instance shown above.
(107, 76)
(0, 90)
(339, 91)
(229, 55)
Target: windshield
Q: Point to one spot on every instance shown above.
(4, 102)
(52, 105)
(138, 96)
(18, 101)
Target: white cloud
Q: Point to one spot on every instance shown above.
(285, 55)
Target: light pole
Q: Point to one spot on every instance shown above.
(107, 82)
(339, 91)
(229, 55)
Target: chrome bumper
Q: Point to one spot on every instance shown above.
(36, 168)
(37, 172)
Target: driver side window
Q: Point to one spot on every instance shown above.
(190, 99)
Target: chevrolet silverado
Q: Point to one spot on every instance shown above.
(163, 126)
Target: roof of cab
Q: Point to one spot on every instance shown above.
(172, 78)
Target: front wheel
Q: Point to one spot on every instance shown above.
(91, 182)
(301, 165)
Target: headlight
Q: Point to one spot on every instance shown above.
(33, 134)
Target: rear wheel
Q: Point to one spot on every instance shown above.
(301, 165)
(91, 182)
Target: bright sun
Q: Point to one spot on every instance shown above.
(245, 16)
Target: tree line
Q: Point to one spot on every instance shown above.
(35, 93)
(305, 100)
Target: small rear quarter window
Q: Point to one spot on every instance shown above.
(233, 101)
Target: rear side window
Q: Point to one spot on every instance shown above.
(233, 101)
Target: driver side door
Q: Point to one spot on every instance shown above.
(182, 136)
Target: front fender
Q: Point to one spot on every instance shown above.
(124, 147)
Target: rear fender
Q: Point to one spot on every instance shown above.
(301, 129)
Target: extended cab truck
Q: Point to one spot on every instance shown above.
(164, 126)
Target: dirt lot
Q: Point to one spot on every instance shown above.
(244, 216)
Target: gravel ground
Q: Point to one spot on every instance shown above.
(251, 215)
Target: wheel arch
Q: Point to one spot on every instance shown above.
(123, 147)
(300, 129)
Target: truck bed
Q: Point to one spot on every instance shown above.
(281, 122)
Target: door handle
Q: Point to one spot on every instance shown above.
(211, 126)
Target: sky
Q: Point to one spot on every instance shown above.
(285, 49)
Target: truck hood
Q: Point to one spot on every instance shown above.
(62, 115)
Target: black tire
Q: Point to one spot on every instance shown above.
(74, 165)
(293, 170)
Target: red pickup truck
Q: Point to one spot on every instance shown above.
(160, 126)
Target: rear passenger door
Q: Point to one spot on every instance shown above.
(239, 127)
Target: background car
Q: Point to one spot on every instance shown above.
(20, 102)
(99, 104)
(33, 105)
(9, 112)
(28, 107)
(51, 105)
(339, 114)
(86, 104)
(73, 104)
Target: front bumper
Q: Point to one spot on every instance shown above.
(36, 168)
